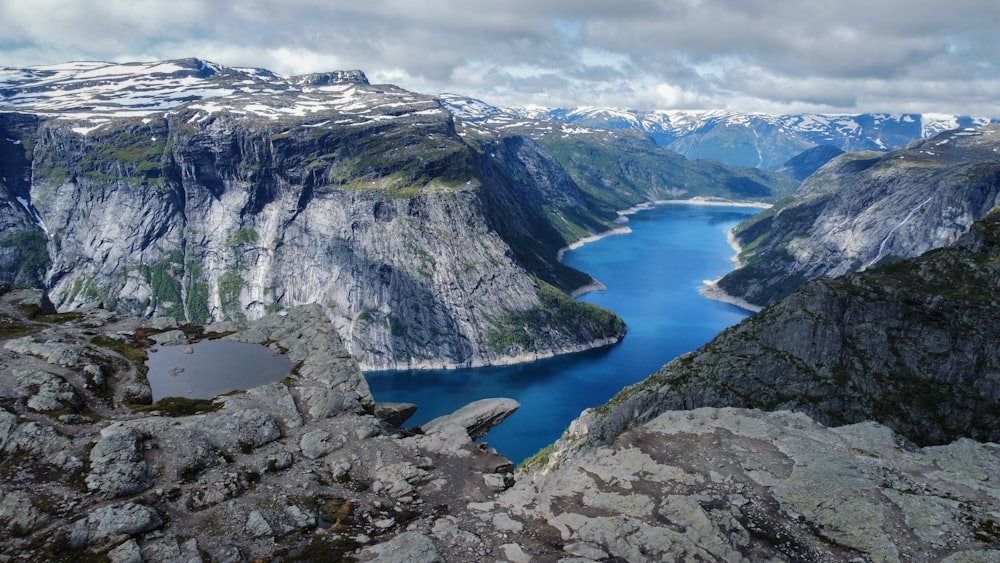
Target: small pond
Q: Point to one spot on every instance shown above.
(210, 368)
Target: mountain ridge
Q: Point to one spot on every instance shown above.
(196, 207)
(742, 139)
(864, 208)
(191, 190)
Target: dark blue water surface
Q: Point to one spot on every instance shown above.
(652, 275)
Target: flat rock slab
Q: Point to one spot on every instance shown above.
(478, 417)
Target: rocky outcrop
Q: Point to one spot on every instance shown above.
(243, 476)
(863, 209)
(476, 418)
(738, 485)
(302, 470)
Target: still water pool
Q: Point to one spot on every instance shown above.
(652, 275)
(212, 367)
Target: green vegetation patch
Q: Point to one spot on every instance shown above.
(131, 152)
(230, 286)
(11, 327)
(33, 256)
(517, 332)
(537, 461)
(164, 278)
(243, 236)
(131, 352)
(180, 406)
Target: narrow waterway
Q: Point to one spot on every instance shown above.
(652, 275)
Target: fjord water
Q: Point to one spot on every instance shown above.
(652, 275)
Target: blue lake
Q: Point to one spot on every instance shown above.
(652, 275)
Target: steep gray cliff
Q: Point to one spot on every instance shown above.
(224, 219)
(863, 209)
(23, 254)
(911, 345)
(316, 189)
(191, 190)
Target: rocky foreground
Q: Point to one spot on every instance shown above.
(313, 469)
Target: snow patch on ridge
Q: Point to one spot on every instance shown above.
(33, 212)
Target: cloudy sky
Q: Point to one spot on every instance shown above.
(780, 56)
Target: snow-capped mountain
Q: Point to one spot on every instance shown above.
(96, 93)
(745, 139)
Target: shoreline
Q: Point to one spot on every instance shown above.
(710, 290)
(718, 202)
(591, 238)
(505, 361)
(623, 218)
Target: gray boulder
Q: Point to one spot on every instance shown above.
(104, 523)
(257, 526)
(47, 392)
(394, 414)
(55, 353)
(8, 423)
(408, 547)
(127, 552)
(18, 515)
(317, 443)
(477, 418)
(170, 338)
(117, 464)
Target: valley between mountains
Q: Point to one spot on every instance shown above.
(353, 226)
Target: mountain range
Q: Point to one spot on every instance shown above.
(350, 225)
(201, 192)
(741, 139)
(866, 208)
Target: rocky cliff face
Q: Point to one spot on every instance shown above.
(309, 469)
(864, 209)
(232, 221)
(191, 190)
(318, 189)
(23, 255)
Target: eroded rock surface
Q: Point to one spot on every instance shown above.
(741, 485)
(274, 473)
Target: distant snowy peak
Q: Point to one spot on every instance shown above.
(480, 118)
(743, 139)
(94, 93)
(471, 109)
(934, 123)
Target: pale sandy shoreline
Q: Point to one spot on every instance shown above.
(711, 290)
(592, 238)
(714, 201)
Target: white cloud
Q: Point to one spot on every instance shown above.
(841, 55)
(676, 97)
